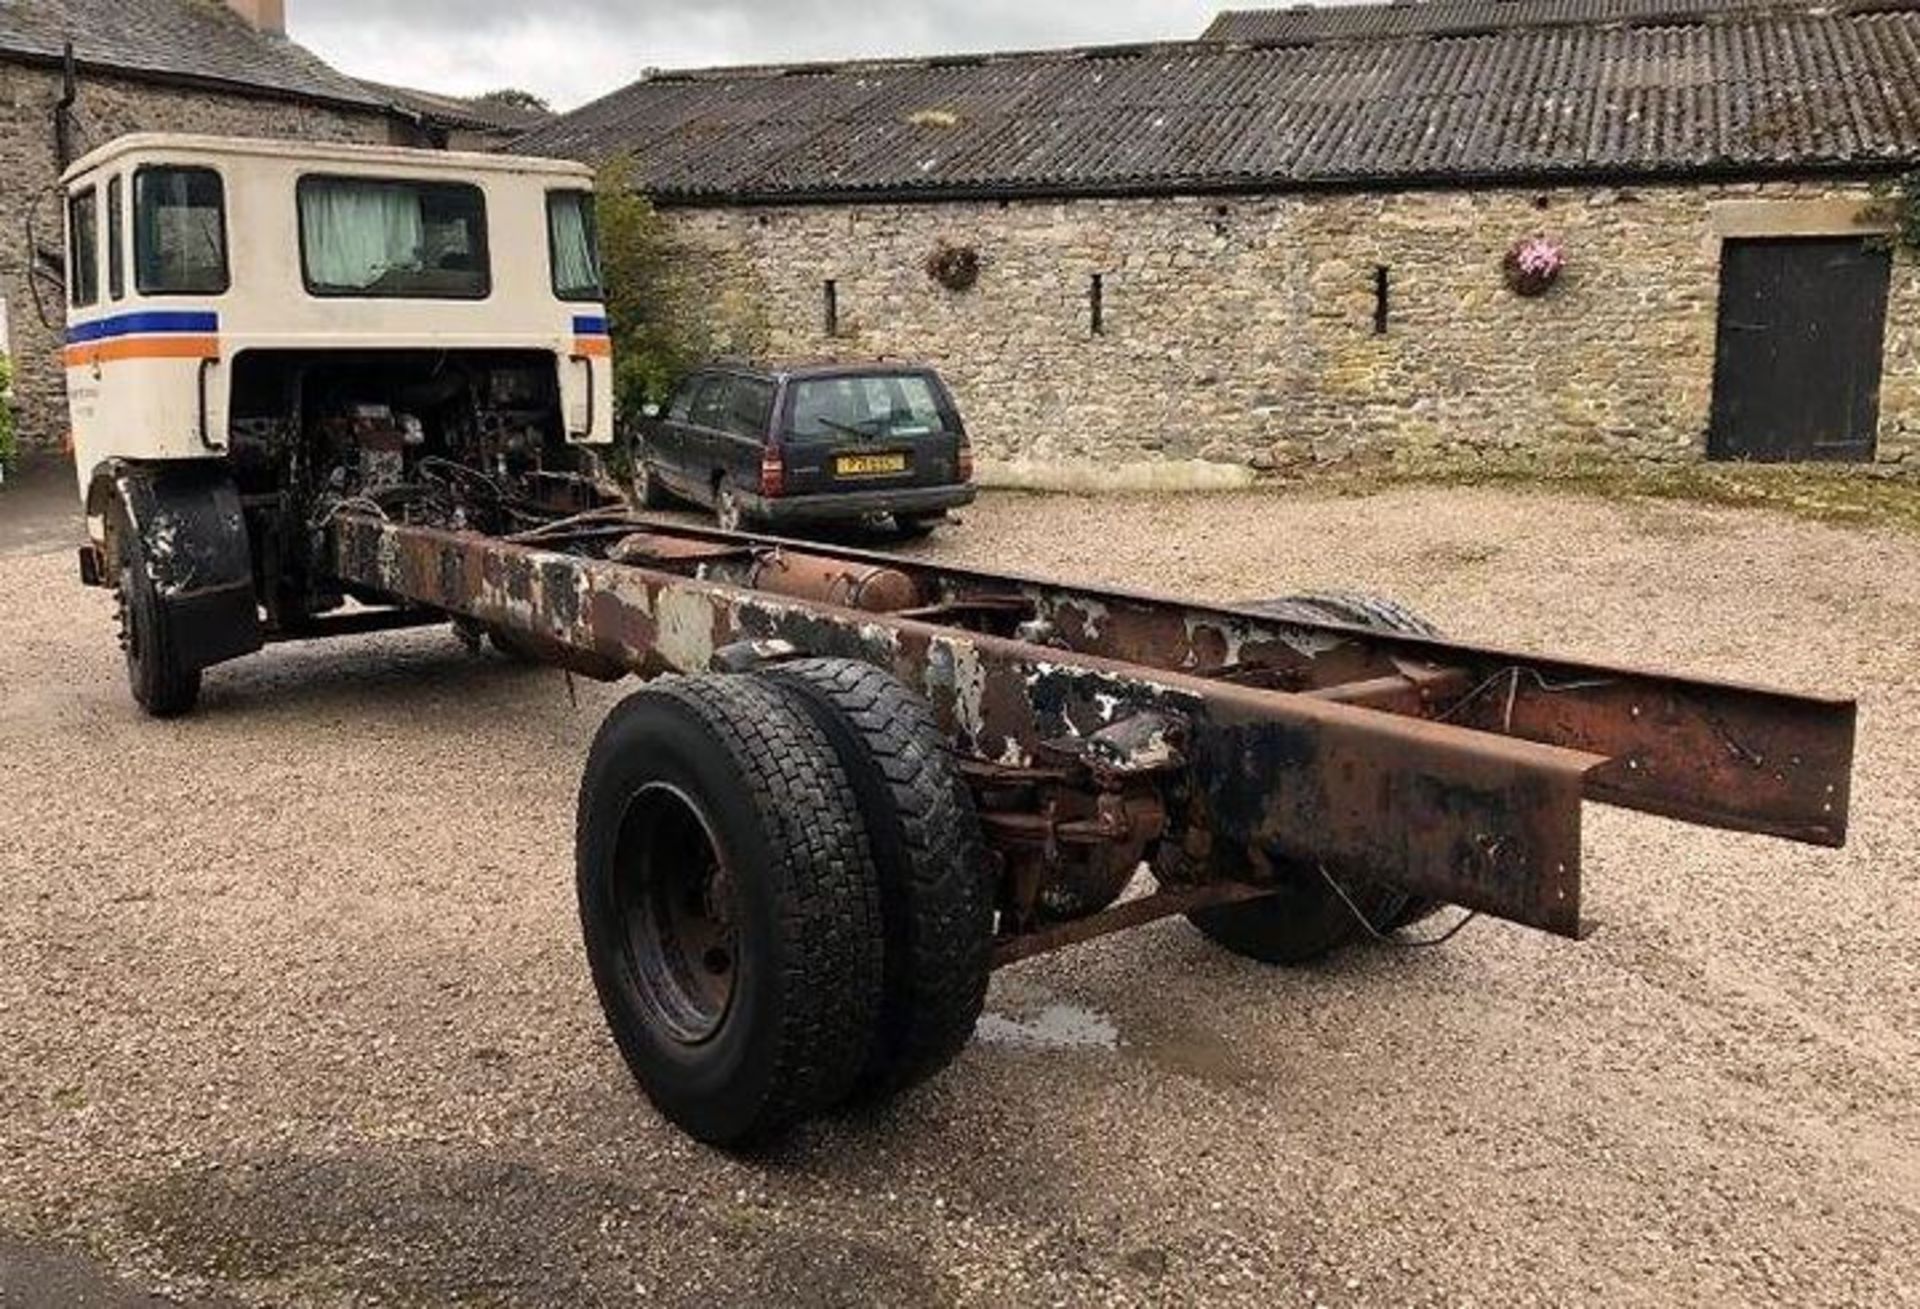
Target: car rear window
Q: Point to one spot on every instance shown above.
(875, 405)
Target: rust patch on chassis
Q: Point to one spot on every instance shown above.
(1477, 819)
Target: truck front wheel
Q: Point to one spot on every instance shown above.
(161, 684)
(730, 906)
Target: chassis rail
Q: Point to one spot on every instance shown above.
(1109, 724)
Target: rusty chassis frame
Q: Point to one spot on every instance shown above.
(1099, 727)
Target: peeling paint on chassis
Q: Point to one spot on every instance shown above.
(1479, 806)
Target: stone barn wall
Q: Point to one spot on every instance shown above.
(1242, 330)
(107, 108)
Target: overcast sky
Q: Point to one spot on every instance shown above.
(572, 51)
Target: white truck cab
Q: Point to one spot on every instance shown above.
(256, 326)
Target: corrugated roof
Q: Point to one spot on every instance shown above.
(1434, 17)
(1746, 91)
(190, 40)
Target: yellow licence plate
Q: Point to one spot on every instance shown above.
(869, 465)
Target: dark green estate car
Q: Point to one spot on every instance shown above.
(772, 445)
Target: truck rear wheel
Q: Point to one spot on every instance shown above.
(1306, 918)
(1382, 615)
(160, 683)
(730, 907)
(935, 897)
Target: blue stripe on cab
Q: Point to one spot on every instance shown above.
(589, 326)
(147, 323)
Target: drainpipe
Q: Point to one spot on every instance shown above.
(63, 110)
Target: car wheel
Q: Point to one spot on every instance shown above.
(646, 489)
(728, 516)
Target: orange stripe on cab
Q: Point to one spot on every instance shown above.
(594, 347)
(142, 347)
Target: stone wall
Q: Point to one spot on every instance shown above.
(1242, 330)
(107, 108)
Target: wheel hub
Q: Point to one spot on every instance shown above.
(676, 898)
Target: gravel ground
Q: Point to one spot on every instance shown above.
(293, 1008)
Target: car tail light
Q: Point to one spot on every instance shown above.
(964, 467)
(773, 474)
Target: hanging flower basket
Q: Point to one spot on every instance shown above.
(1533, 265)
(956, 267)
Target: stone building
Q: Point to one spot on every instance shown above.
(137, 65)
(1287, 243)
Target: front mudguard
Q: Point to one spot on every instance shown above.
(193, 544)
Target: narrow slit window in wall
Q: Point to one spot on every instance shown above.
(830, 307)
(1379, 299)
(1097, 304)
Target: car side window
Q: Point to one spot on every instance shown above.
(749, 405)
(681, 407)
(710, 405)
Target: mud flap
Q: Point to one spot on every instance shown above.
(193, 537)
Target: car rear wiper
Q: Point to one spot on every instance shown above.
(849, 429)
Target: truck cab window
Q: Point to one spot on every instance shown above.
(83, 248)
(179, 232)
(116, 235)
(573, 244)
(393, 239)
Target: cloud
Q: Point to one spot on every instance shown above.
(572, 51)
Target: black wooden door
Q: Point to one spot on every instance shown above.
(1797, 364)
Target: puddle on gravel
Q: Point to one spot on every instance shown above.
(1053, 1027)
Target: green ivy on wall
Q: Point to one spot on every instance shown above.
(7, 448)
(664, 310)
(1900, 203)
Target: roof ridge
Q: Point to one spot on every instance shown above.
(1344, 23)
(198, 42)
(949, 59)
(1661, 13)
(1763, 90)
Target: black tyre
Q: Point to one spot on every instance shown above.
(935, 896)
(1382, 615)
(511, 647)
(646, 489)
(916, 526)
(728, 514)
(161, 684)
(1307, 918)
(1376, 612)
(730, 907)
(1302, 921)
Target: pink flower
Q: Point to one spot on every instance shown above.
(1538, 257)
